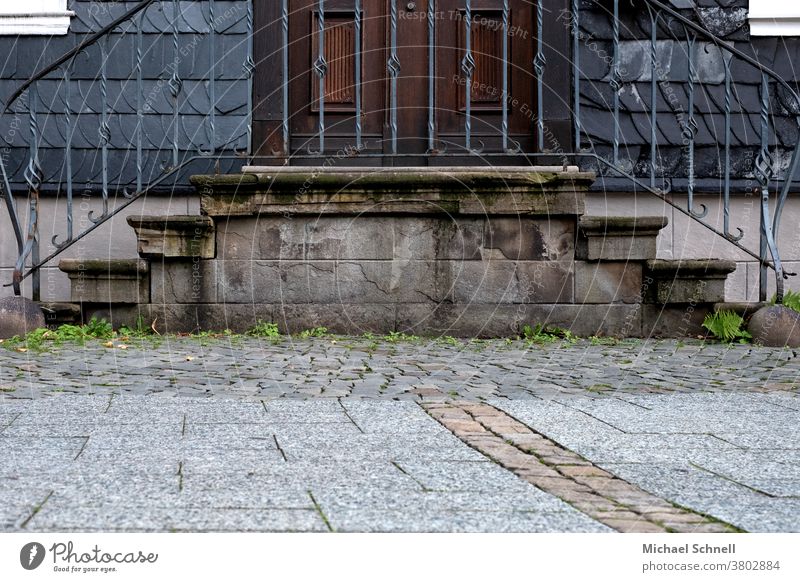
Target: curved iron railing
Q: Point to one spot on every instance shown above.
(150, 172)
(603, 148)
(667, 22)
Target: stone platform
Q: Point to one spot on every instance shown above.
(427, 251)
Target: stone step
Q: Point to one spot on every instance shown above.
(694, 281)
(108, 280)
(174, 236)
(291, 191)
(618, 238)
(56, 314)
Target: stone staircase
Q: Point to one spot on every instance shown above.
(425, 251)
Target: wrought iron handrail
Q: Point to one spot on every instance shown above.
(216, 151)
(586, 146)
(763, 170)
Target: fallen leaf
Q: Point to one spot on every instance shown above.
(108, 345)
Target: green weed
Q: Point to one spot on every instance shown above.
(394, 337)
(727, 326)
(541, 334)
(314, 332)
(265, 329)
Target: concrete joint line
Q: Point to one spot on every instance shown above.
(561, 472)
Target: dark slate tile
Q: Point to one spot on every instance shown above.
(723, 22)
(595, 59)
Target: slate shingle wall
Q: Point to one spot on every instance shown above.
(21, 57)
(725, 18)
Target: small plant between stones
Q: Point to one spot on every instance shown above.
(314, 332)
(727, 326)
(139, 330)
(38, 339)
(265, 330)
(394, 337)
(541, 334)
(791, 299)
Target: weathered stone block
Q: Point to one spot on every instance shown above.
(503, 320)
(608, 282)
(382, 237)
(108, 281)
(427, 319)
(326, 282)
(367, 237)
(618, 238)
(475, 321)
(56, 314)
(674, 320)
(18, 316)
(590, 320)
(292, 191)
(461, 238)
(351, 319)
(190, 281)
(529, 239)
(688, 281)
(503, 281)
(174, 236)
(185, 318)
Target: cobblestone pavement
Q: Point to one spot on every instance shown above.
(358, 367)
(335, 434)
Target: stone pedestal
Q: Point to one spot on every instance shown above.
(688, 281)
(174, 237)
(612, 238)
(108, 281)
(679, 294)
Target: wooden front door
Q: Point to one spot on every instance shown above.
(422, 111)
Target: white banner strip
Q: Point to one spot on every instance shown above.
(389, 557)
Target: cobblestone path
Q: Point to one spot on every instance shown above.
(357, 367)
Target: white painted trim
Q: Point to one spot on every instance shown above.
(775, 27)
(774, 18)
(34, 17)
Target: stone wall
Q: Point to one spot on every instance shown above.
(449, 251)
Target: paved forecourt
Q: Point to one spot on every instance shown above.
(351, 434)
